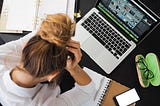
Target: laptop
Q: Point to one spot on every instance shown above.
(112, 29)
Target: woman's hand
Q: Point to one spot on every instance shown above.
(79, 75)
(73, 47)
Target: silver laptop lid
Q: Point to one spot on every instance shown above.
(132, 18)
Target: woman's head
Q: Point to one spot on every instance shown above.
(57, 29)
(46, 51)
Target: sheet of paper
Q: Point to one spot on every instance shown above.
(21, 15)
(28, 15)
(50, 7)
(4, 18)
(70, 8)
(100, 83)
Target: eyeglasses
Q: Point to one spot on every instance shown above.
(148, 74)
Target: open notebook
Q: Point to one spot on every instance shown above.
(28, 15)
(106, 90)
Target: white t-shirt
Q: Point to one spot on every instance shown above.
(42, 94)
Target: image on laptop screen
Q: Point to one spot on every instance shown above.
(129, 16)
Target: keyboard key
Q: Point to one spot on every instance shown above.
(107, 36)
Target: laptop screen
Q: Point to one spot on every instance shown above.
(130, 16)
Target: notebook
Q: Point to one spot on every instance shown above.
(28, 15)
(112, 29)
(106, 90)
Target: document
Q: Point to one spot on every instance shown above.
(4, 18)
(28, 15)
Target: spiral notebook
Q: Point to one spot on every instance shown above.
(106, 90)
(28, 15)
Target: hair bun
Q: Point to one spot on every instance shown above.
(57, 28)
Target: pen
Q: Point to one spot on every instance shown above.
(77, 13)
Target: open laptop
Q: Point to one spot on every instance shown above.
(112, 29)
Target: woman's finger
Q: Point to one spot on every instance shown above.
(74, 44)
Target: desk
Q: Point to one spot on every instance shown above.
(126, 73)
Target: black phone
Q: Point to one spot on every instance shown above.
(126, 98)
(71, 55)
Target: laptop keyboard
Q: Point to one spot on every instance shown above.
(106, 35)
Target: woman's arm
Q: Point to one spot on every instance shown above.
(84, 89)
(79, 75)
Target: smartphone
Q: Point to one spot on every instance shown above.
(71, 55)
(126, 98)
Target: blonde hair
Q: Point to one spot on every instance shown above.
(57, 29)
(46, 51)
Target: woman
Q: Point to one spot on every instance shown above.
(39, 57)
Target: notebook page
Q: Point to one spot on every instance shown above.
(50, 7)
(96, 77)
(21, 15)
(4, 18)
(70, 8)
(105, 82)
(100, 84)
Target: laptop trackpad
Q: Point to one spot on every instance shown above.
(92, 47)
